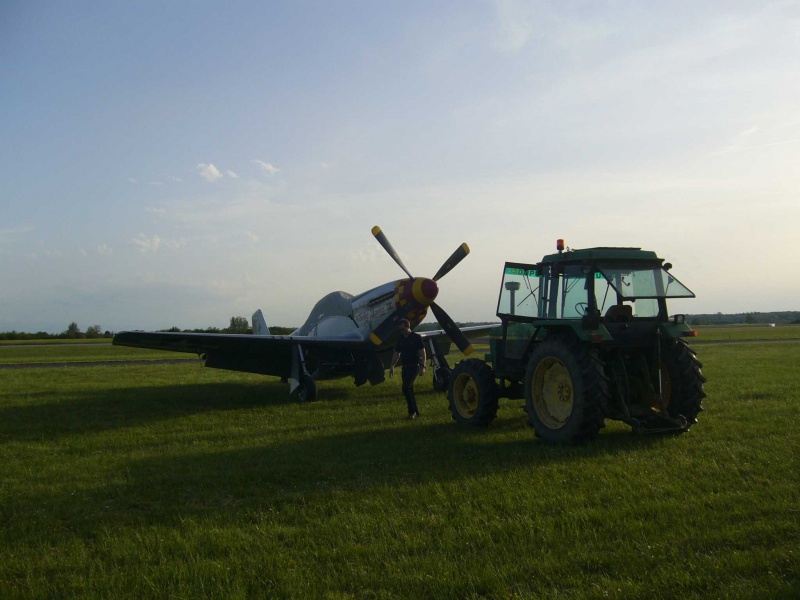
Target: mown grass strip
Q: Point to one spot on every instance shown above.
(178, 481)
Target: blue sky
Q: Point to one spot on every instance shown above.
(179, 163)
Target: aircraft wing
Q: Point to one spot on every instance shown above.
(443, 342)
(266, 355)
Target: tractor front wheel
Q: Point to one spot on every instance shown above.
(565, 391)
(473, 393)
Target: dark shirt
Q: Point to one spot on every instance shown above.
(408, 347)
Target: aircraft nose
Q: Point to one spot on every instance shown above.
(425, 291)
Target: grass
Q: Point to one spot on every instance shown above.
(746, 332)
(176, 481)
(59, 353)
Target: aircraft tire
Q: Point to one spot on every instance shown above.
(307, 390)
(441, 379)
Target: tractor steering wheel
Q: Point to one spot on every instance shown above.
(581, 308)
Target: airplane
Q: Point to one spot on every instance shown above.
(344, 335)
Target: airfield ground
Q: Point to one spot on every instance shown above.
(169, 480)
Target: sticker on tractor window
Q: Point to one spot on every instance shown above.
(520, 272)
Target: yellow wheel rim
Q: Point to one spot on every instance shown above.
(465, 395)
(552, 392)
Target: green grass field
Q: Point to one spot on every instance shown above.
(173, 481)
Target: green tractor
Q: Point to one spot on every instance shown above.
(585, 336)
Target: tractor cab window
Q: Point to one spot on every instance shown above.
(519, 293)
(638, 289)
(567, 295)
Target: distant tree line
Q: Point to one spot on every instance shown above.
(242, 325)
(74, 332)
(749, 318)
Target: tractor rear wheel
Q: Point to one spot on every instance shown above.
(681, 381)
(565, 391)
(473, 393)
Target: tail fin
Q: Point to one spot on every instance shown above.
(259, 324)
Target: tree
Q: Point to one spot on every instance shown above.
(73, 331)
(95, 331)
(238, 325)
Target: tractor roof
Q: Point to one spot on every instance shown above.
(602, 254)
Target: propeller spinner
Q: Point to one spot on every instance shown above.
(424, 293)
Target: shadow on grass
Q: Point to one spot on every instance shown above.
(275, 476)
(114, 409)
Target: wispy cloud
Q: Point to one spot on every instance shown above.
(105, 250)
(147, 244)
(266, 168)
(514, 25)
(209, 172)
(232, 174)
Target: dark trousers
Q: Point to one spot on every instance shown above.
(409, 376)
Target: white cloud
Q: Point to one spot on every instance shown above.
(146, 244)
(232, 175)
(514, 25)
(132, 180)
(105, 250)
(209, 172)
(252, 236)
(267, 168)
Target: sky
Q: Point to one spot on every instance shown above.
(179, 163)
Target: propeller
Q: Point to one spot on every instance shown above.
(376, 231)
(387, 326)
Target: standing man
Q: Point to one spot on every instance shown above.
(411, 350)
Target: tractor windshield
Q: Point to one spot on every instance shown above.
(652, 283)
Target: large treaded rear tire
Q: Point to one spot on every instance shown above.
(565, 391)
(682, 380)
(473, 393)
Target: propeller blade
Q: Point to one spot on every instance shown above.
(452, 330)
(376, 231)
(389, 325)
(451, 262)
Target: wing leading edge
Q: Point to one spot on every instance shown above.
(265, 355)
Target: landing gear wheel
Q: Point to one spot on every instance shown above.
(473, 393)
(441, 379)
(681, 381)
(565, 391)
(307, 390)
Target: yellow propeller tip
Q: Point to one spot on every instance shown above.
(376, 230)
(465, 247)
(375, 339)
(468, 350)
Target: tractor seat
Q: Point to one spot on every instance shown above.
(619, 313)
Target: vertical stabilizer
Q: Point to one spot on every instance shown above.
(259, 324)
